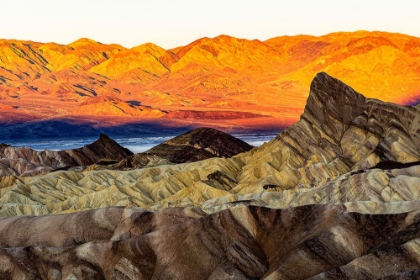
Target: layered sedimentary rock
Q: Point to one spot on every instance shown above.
(27, 162)
(364, 192)
(247, 242)
(136, 161)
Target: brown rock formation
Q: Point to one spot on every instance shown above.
(106, 154)
(199, 144)
(195, 145)
(318, 241)
(27, 162)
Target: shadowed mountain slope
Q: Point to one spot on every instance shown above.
(195, 145)
(199, 144)
(106, 154)
(27, 162)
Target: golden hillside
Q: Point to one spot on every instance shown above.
(267, 78)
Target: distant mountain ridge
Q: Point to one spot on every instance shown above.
(85, 79)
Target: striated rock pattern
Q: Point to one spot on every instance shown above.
(247, 242)
(27, 162)
(199, 144)
(364, 192)
(135, 161)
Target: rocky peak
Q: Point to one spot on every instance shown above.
(103, 138)
(104, 147)
(24, 161)
(339, 131)
(199, 144)
(384, 131)
(333, 104)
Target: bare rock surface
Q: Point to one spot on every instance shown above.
(199, 144)
(23, 161)
(106, 154)
(192, 146)
(245, 242)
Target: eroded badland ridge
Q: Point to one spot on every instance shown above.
(223, 81)
(334, 196)
(105, 153)
(24, 161)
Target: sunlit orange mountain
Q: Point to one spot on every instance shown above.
(222, 81)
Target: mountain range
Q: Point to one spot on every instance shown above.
(225, 82)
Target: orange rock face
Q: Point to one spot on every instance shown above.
(249, 78)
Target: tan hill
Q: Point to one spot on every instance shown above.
(267, 78)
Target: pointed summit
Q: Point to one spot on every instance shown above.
(331, 99)
(106, 147)
(199, 144)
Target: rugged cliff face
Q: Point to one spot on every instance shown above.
(340, 131)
